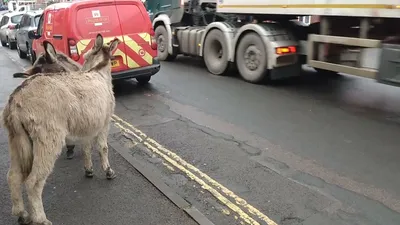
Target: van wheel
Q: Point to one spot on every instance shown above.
(11, 45)
(162, 44)
(21, 54)
(142, 80)
(251, 58)
(216, 53)
(3, 43)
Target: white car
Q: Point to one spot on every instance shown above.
(7, 28)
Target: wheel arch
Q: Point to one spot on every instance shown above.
(261, 32)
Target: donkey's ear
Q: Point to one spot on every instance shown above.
(98, 44)
(50, 51)
(113, 45)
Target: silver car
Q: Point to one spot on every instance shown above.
(7, 28)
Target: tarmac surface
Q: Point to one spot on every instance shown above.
(317, 150)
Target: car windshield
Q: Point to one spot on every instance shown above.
(16, 19)
(37, 18)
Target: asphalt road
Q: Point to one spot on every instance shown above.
(314, 150)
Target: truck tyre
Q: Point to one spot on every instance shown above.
(251, 58)
(162, 44)
(216, 53)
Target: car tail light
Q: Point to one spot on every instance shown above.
(11, 26)
(153, 39)
(286, 50)
(182, 2)
(73, 50)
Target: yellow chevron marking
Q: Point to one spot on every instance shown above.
(120, 53)
(135, 47)
(82, 44)
(131, 63)
(145, 36)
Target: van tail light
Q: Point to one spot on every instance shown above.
(153, 40)
(73, 50)
(11, 26)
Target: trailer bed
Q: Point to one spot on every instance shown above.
(353, 8)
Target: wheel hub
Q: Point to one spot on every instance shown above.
(161, 43)
(252, 57)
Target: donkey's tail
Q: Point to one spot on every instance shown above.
(20, 142)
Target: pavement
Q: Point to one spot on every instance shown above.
(317, 150)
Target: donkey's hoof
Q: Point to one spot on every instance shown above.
(47, 222)
(89, 173)
(24, 220)
(110, 174)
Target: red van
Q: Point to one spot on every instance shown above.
(72, 28)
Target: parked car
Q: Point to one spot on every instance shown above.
(29, 21)
(72, 28)
(7, 28)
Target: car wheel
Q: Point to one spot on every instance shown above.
(142, 80)
(21, 54)
(3, 43)
(11, 45)
(31, 54)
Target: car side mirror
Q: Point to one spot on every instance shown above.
(33, 35)
(17, 26)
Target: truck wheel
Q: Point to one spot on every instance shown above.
(162, 44)
(251, 58)
(216, 53)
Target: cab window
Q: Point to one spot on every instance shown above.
(40, 26)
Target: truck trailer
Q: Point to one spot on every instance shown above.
(265, 40)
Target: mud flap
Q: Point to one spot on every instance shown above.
(389, 69)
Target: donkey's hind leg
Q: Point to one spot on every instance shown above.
(45, 155)
(70, 148)
(15, 178)
(87, 155)
(103, 151)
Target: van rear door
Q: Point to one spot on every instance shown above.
(94, 18)
(136, 26)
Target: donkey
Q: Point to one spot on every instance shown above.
(46, 109)
(47, 64)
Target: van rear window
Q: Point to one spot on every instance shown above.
(94, 20)
(132, 19)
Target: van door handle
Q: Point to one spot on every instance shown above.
(57, 36)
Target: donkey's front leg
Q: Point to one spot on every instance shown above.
(87, 153)
(103, 151)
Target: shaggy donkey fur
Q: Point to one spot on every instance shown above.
(46, 109)
(45, 63)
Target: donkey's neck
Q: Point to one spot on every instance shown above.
(105, 72)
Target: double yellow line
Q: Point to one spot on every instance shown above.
(212, 186)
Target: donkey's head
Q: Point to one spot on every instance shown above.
(50, 62)
(99, 57)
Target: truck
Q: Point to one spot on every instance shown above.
(265, 40)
